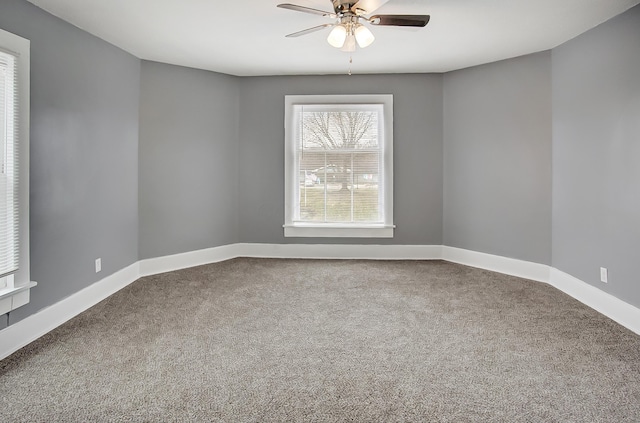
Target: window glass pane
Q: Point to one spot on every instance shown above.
(311, 198)
(338, 164)
(3, 111)
(365, 187)
(339, 129)
(8, 165)
(338, 183)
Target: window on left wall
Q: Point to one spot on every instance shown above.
(14, 171)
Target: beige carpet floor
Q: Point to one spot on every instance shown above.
(266, 340)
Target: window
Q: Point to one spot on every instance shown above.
(14, 172)
(339, 166)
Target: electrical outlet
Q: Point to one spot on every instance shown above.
(98, 265)
(604, 275)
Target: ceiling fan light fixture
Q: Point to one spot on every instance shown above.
(350, 43)
(364, 36)
(337, 36)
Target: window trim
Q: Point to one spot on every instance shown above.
(18, 285)
(338, 230)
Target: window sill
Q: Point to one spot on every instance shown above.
(12, 298)
(338, 231)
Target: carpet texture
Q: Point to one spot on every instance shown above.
(269, 340)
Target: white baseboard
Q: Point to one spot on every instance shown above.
(33, 327)
(25, 331)
(173, 262)
(342, 251)
(508, 266)
(301, 251)
(612, 307)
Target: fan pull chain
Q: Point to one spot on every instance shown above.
(350, 62)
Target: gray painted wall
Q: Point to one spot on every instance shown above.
(475, 144)
(596, 156)
(417, 153)
(497, 158)
(188, 160)
(84, 155)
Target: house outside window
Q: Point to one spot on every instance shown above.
(339, 166)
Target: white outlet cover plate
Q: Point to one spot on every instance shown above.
(604, 275)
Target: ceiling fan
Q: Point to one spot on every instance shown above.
(347, 27)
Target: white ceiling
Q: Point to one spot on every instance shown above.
(248, 37)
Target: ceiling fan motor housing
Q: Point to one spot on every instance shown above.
(343, 6)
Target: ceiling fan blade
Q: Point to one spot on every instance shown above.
(400, 20)
(309, 30)
(306, 10)
(368, 6)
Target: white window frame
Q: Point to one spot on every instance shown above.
(338, 230)
(14, 289)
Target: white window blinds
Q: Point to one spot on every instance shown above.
(9, 118)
